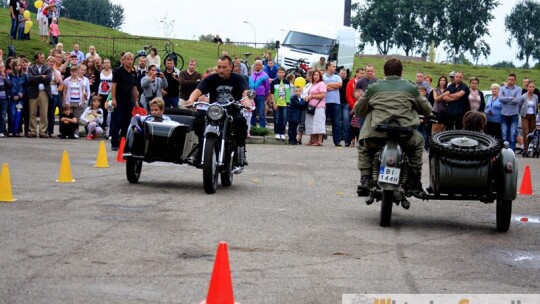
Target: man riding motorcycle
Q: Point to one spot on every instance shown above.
(224, 85)
(391, 97)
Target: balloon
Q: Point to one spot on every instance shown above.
(27, 26)
(300, 82)
(26, 14)
(38, 4)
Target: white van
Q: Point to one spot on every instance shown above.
(313, 41)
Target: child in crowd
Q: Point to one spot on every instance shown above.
(68, 123)
(54, 31)
(21, 22)
(110, 109)
(92, 118)
(5, 90)
(474, 121)
(281, 97)
(248, 113)
(294, 114)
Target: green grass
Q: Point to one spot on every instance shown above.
(109, 43)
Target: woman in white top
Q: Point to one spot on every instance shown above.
(56, 85)
(91, 52)
(43, 23)
(154, 59)
(528, 108)
(105, 85)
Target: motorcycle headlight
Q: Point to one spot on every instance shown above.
(215, 112)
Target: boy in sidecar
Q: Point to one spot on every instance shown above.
(391, 97)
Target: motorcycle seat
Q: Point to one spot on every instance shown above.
(393, 131)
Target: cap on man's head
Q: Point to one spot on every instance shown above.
(452, 74)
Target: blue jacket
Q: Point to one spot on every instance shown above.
(19, 84)
(295, 108)
(272, 72)
(493, 110)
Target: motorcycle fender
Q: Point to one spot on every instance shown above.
(391, 151)
(508, 179)
(212, 129)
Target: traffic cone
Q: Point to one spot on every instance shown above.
(221, 289)
(64, 176)
(119, 158)
(101, 161)
(5, 185)
(526, 183)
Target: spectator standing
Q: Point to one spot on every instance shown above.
(344, 108)
(105, 84)
(124, 96)
(523, 90)
(141, 70)
(77, 52)
(439, 105)
(305, 92)
(91, 52)
(316, 123)
(154, 59)
(243, 66)
(364, 82)
(280, 90)
(74, 93)
(189, 80)
(354, 128)
(259, 82)
(421, 82)
(457, 100)
(294, 114)
(528, 105)
(510, 95)
(171, 93)
(54, 31)
(43, 21)
(39, 93)
(92, 73)
(476, 97)
(493, 113)
(18, 95)
(56, 86)
(319, 65)
(333, 109)
(21, 21)
(5, 91)
(217, 40)
(152, 86)
(14, 6)
(271, 69)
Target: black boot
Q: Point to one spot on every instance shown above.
(365, 185)
(414, 185)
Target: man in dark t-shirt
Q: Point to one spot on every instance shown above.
(223, 87)
(189, 80)
(171, 93)
(14, 14)
(124, 96)
(364, 82)
(457, 102)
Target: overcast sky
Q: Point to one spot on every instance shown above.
(188, 19)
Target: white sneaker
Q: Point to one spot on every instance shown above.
(277, 136)
(2, 135)
(76, 136)
(282, 136)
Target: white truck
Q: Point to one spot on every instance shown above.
(311, 42)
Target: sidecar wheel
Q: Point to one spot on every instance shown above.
(133, 169)
(386, 207)
(504, 215)
(464, 145)
(210, 166)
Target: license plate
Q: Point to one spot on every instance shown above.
(389, 175)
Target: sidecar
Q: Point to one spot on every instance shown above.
(150, 139)
(466, 165)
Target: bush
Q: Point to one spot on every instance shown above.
(258, 131)
(504, 64)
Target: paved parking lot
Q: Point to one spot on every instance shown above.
(296, 231)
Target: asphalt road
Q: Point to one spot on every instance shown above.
(296, 232)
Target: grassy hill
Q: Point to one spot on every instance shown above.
(109, 43)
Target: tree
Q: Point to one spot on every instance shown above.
(103, 12)
(409, 33)
(524, 27)
(376, 21)
(433, 22)
(467, 23)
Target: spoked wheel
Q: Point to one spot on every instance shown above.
(386, 207)
(504, 214)
(133, 169)
(177, 58)
(210, 166)
(227, 173)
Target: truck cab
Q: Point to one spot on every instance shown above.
(311, 42)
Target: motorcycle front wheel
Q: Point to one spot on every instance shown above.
(133, 169)
(227, 173)
(210, 165)
(386, 207)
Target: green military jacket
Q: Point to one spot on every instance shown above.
(391, 97)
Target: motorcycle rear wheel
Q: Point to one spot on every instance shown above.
(133, 169)
(386, 207)
(210, 165)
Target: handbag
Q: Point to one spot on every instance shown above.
(311, 109)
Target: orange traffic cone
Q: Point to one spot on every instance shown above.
(101, 161)
(526, 183)
(221, 289)
(5, 185)
(119, 158)
(64, 176)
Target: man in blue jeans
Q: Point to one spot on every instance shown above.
(14, 13)
(509, 96)
(333, 107)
